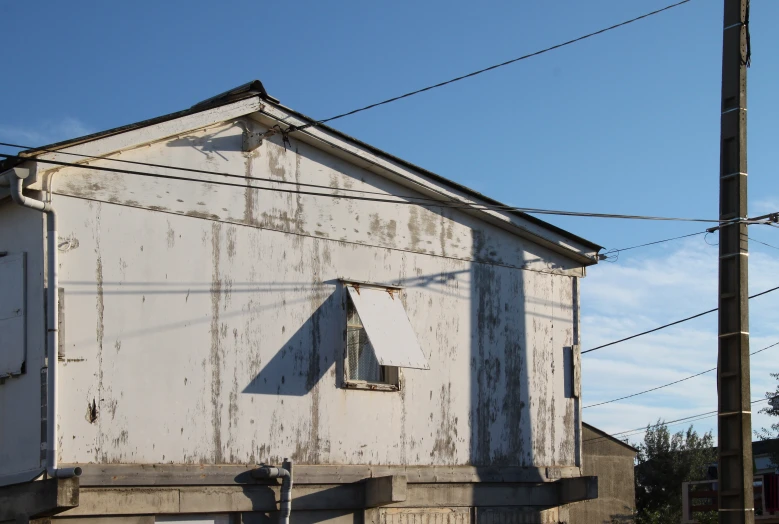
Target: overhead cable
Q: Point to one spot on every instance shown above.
(670, 383)
(671, 324)
(417, 201)
(692, 421)
(207, 172)
(486, 69)
(760, 242)
(653, 426)
(612, 252)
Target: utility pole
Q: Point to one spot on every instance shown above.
(736, 499)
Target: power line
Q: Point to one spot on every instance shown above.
(759, 242)
(685, 422)
(670, 324)
(456, 203)
(683, 419)
(201, 171)
(612, 252)
(438, 203)
(486, 69)
(222, 174)
(670, 383)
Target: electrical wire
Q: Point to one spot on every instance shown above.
(643, 430)
(438, 203)
(683, 419)
(612, 252)
(670, 383)
(486, 69)
(498, 207)
(208, 172)
(670, 324)
(759, 242)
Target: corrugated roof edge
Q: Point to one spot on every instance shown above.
(609, 437)
(256, 88)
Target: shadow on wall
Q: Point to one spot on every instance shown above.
(500, 428)
(318, 343)
(308, 354)
(210, 144)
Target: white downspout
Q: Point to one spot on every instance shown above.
(15, 177)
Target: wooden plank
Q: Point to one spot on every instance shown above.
(38, 498)
(125, 501)
(248, 498)
(466, 495)
(228, 498)
(130, 519)
(185, 475)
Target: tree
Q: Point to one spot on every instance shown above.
(664, 461)
(773, 410)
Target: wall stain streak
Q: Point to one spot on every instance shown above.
(248, 194)
(445, 445)
(100, 328)
(486, 366)
(171, 236)
(215, 356)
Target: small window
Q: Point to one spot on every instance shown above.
(379, 338)
(361, 362)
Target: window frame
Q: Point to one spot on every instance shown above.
(393, 376)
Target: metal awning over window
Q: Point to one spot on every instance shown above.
(388, 328)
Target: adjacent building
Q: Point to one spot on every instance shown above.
(612, 461)
(190, 298)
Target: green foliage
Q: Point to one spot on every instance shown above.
(773, 410)
(664, 461)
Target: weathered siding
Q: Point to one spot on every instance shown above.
(22, 231)
(204, 323)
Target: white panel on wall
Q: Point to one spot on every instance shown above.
(12, 314)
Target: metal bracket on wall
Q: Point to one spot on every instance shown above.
(251, 140)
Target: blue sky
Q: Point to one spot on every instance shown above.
(626, 122)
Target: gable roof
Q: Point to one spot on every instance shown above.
(255, 88)
(608, 437)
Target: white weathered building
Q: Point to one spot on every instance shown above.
(408, 344)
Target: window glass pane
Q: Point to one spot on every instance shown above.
(363, 364)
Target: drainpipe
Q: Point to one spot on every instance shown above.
(285, 474)
(15, 177)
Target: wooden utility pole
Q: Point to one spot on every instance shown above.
(736, 500)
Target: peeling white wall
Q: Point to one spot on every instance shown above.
(205, 323)
(22, 231)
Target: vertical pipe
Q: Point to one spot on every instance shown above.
(285, 497)
(52, 341)
(52, 312)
